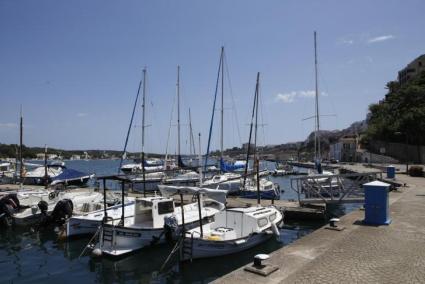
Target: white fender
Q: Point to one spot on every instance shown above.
(275, 229)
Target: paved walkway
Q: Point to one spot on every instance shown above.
(358, 254)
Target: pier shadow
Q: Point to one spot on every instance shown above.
(361, 223)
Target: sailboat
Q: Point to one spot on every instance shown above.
(233, 230)
(146, 176)
(184, 175)
(320, 180)
(265, 188)
(226, 179)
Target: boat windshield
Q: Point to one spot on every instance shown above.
(165, 207)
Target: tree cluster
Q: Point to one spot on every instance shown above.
(401, 115)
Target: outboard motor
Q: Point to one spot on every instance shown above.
(62, 211)
(9, 204)
(170, 227)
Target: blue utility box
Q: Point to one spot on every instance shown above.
(390, 172)
(377, 209)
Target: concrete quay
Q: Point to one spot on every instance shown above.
(359, 253)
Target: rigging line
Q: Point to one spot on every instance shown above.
(250, 133)
(213, 109)
(129, 127)
(169, 127)
(233, 99)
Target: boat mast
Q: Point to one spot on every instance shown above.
(21, 162)
(317, 154)
(213, 109)
(256, 160)
(250, 135)
(222, 104)
(191, 138)
(178, 113)
(143, 130)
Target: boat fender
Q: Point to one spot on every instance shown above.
(43, 206)
(52, 195)
(97, 252)
(275, 229)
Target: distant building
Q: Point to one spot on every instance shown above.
(345, 149)
(411, 70)
(245, 146)
(75, 157)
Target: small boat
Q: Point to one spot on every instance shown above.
(71, 177)
(36, 176)
(183, 177)
(156, 219)
(150, 165)
(27, 208)
(268, 189)
(233, 230)
(231, 182)
(88, 223)
(282, 169)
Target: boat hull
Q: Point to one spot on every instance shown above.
(264, 194)
(207, 248)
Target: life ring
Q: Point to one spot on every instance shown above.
(52, 195)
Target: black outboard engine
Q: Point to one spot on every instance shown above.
(62, 211)
(170, 227)
(9, 205)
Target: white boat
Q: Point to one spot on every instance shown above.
(31, 207)
(37, 175)
(155, 220)
(268, 189)
(183, 177)
(231, 182)
(323, 184)
(88, 223)
(138, 168)
(233, 230)
(149, 182)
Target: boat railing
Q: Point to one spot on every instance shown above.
(335, 188)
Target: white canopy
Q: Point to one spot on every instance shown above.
(216, 194)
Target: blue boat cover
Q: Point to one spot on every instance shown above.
(70, 174)
(229, 167)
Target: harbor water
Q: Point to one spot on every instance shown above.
(37, 256)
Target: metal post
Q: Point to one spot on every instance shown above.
(122, 202)
(105, 214)
(182, 209)
(258, 182)
(200, 214)
(46, 176)
(407, 154)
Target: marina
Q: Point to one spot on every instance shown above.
(212, 142)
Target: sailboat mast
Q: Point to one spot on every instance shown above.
(317, 153)
(143, 111)
(178, 111)
(222, 104)
(191, 138)
(21, 132)
(143, 131)
(256, 160)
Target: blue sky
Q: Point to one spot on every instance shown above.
(75, 66)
